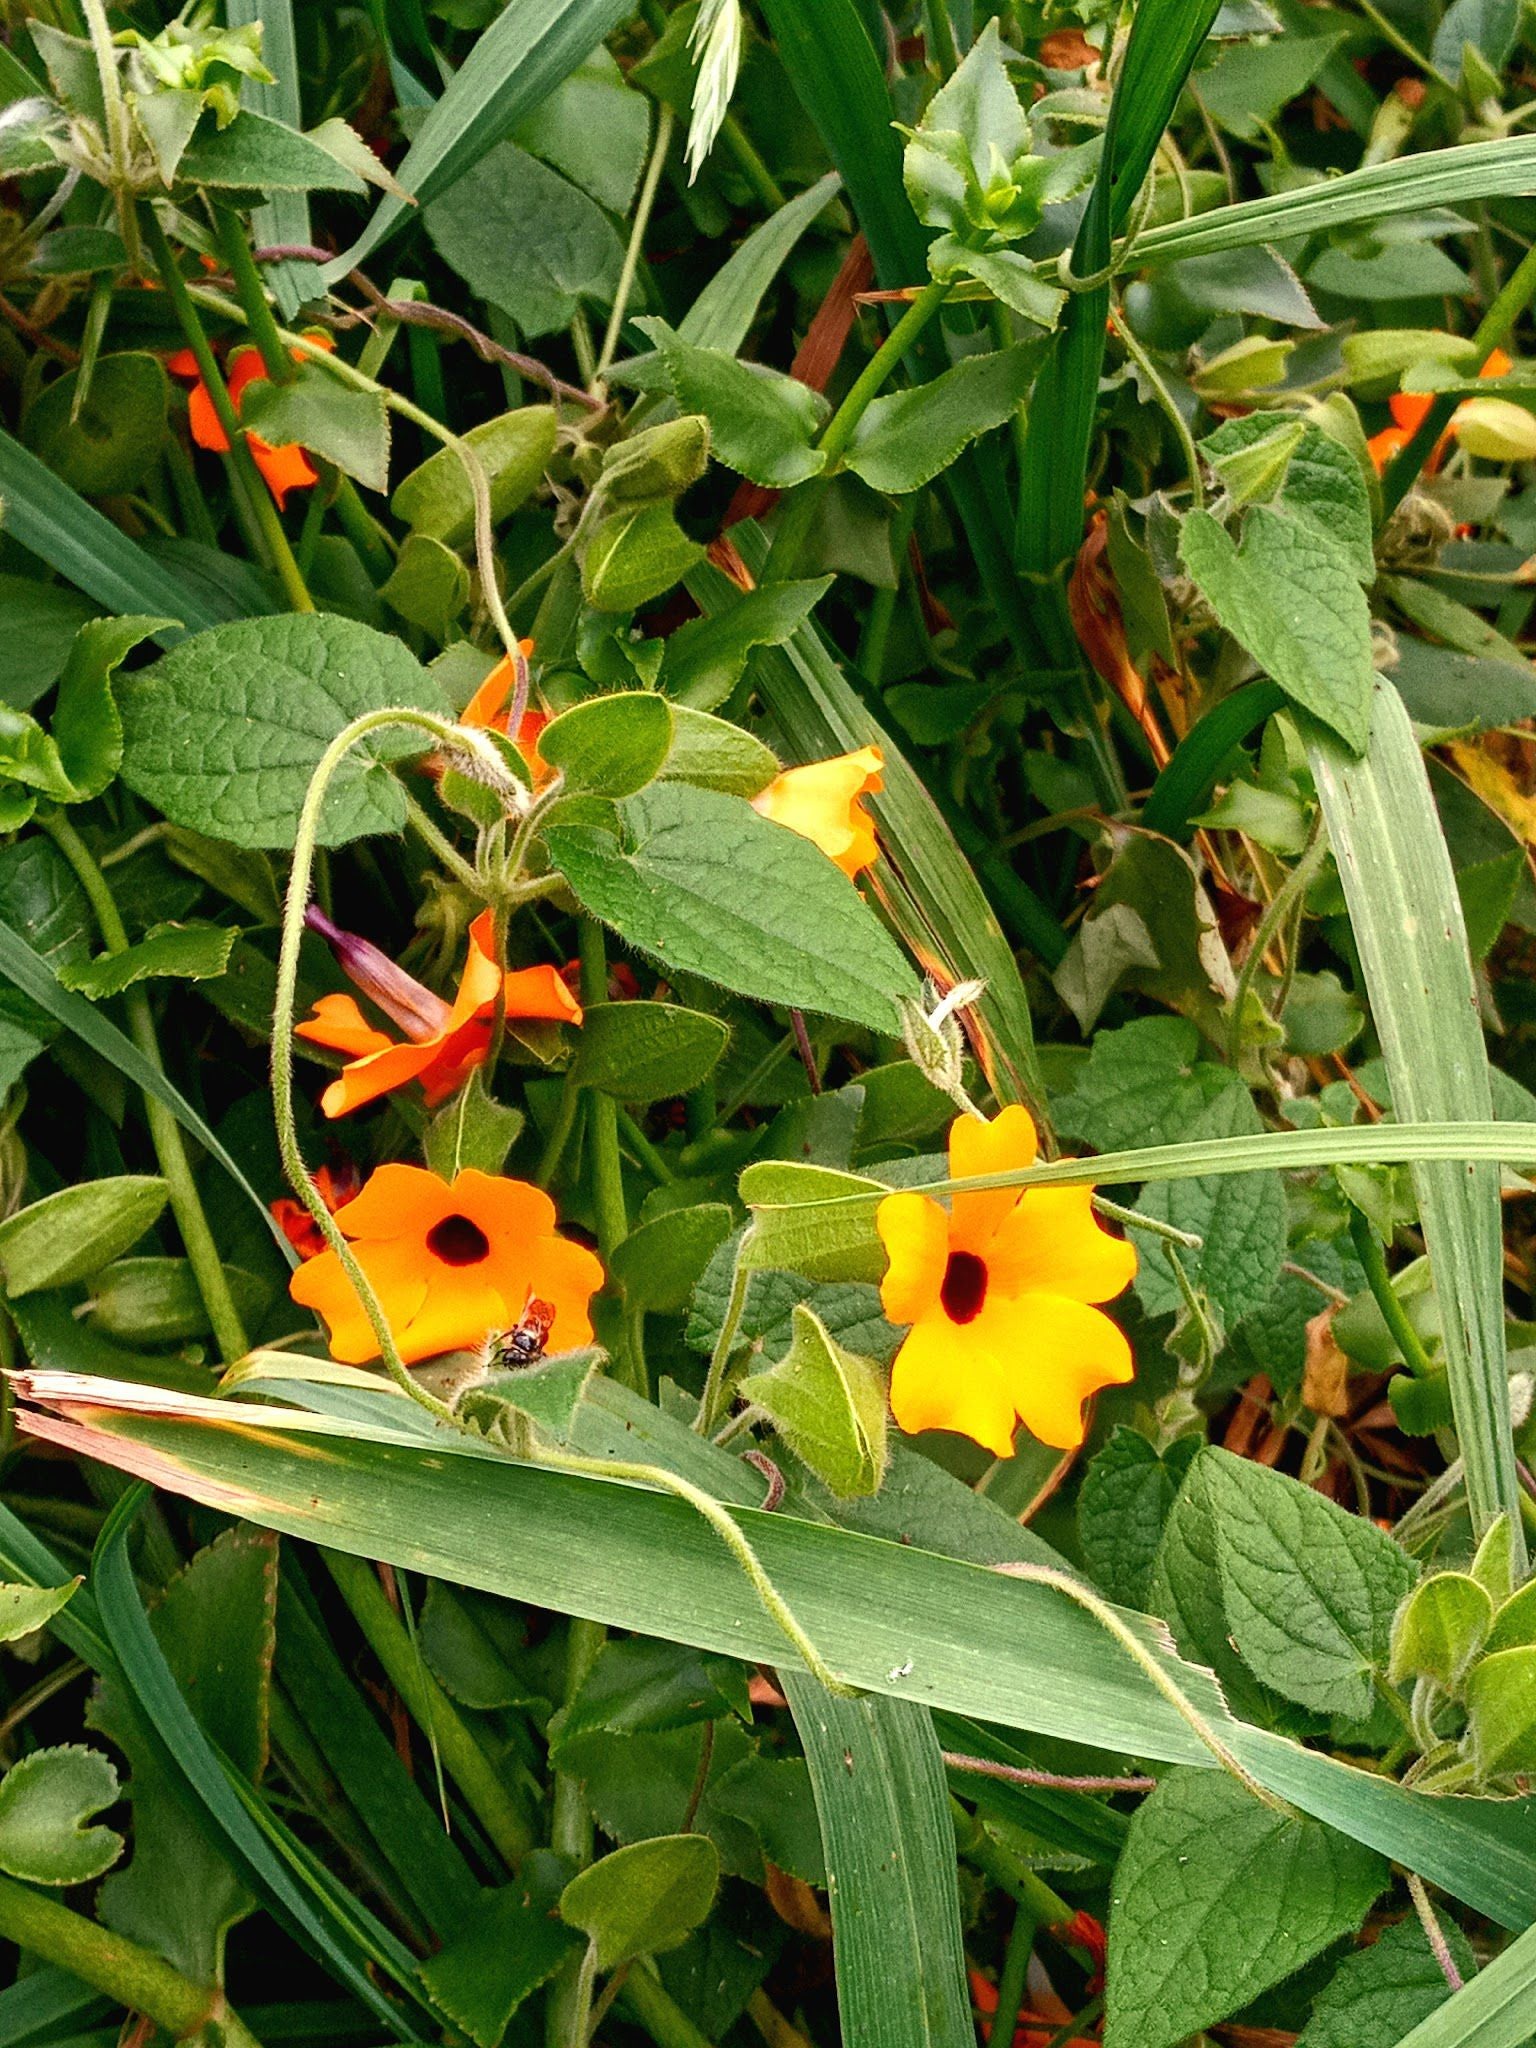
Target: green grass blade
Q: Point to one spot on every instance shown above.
(285, 217)
(29, 972)
(1410, 184)
(1165, 39)
(198, 1769)
(61, 529)
(891, 1618)
(517, 62)
(1495, 2009)
(1406, 915)
(723, 312)
(889, 1840)
(820, 713)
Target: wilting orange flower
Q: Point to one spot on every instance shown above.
(286, 468)
(444, 1042)
(489, 708)
(450, 1263)
(336, 1185)
(1409, 411)
(998, 1292)
(821, 803)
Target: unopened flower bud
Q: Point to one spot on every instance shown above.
(934, 1040)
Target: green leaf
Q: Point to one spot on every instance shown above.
(905, 438)
(473, 1130)
(257, 154)
(39, 621)
(828, 1404)
(333, 420)
(158, 1301)
(711, 753)
(646, 1052)
(525, 239)
(428, 586)
(813, 1220)
(189, 952)
(1514, 1624)
(119, 430)
(506, 1945)
(501, 1405)
(1406, 919)
(87, 727)
(887, 1831)
(721, 316)
(1309, 1590)
(1317, 482)
(1127, 1493)
(639, 1687)
(1289, 598)
(266, 697)
(704, 658)
(24, 1609)
(657, 462)
(659, 1264)
(1443, 1624)
(709, 888)
(634, 556)
(611, 745)
(72, 1233)
(595, 128)
(1490, 26)
(510, 71)
(1501, 1712)
(1380, 1993)
(1217, 1897)
(643, 1899)
(514, 451)
(45, 1801)
(1249, 83)
(761, 422)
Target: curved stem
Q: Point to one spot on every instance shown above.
(1290, 894)
(642, 221)
(712, 1400)
(165, 1134)
(426, 828)
(280, 365)
(297, 903)
(1374, 1264)
(1165, 400)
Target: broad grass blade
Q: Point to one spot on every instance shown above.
(517, 62)
(284, 220)
(1496, 2009)
(1406, 916)
(883, 1805)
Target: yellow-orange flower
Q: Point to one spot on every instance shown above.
(450, 1263)
(444, 1042)
(998, 1291)
(1410, 409)
(821, 803)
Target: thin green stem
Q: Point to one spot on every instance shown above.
(1137, 1219)
(131, 1976)
(1012, 1980)
(1290, 895)
(259, 499)
(1166, 401)
(943, 51)
(1373, 1263)
(426, 828)
(1389, 32)
(165, 1133)
(571, 1833)
(645, 2000)
(713, 1399)
(119, 131)
(297, 903)
(602, 1110)
(649, 1156)
(482, 1784)
(559, 1133)
(642, 221)
(252, 291)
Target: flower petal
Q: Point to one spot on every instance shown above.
(977, 1147)
(820, 802)
(1052, 1243)
(365, 1080)
(337, 1023)
(399, 1201)
(512, 1213)
(944, 1378)
(286, 469)
(455, 1315)
(399, 1273)
(915, 1233)
(1054, 1353)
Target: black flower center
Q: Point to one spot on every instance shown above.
(458, 1242)
(965, 1287)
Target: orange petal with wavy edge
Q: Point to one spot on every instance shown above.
(285, 469)
(530, 991)
(399, 1273)
(207, 430)
(337, 1023)
(1055, 1353)
(1052, 1243)
(397, 1201)
(943, 1378)
(821, 802)
(379, 1073)
(915, 1233)
(976, 1147)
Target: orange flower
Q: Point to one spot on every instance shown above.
(489, 709)
(450, 1263)
(287, 468)
(997, 1290)
(336, 1186)
(444, 1042)
(821, 803)
(1409, 411)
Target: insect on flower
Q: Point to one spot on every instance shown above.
(523, 1345)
